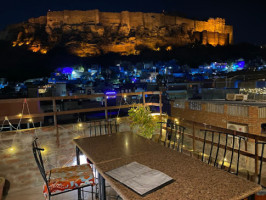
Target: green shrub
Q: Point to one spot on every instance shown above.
(143, 121)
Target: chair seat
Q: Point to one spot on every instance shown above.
(69, 178)
(262, 193)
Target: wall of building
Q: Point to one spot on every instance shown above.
(251, 119)
(16, 109)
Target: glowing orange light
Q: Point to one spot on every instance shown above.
(43, 51)
(169, 48)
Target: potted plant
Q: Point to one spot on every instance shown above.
(143, 123)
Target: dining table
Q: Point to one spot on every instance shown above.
(192, 178)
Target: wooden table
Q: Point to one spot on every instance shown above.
(193, 178)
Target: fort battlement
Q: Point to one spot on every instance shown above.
(119, 32)
(136, 19)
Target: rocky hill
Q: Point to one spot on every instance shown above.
(88, 33)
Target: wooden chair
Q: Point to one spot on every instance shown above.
(217, 142)
(61, 180)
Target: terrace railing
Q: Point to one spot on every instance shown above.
(249, 137)
(55, 112)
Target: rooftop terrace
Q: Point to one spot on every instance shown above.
(18, 166)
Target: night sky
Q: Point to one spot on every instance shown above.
(247, 16)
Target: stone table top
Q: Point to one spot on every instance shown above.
(193, 178)
(114, 146)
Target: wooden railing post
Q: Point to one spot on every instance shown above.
(55, 123)
(106, 115)
(193, 139)
(256, 158)
(160, 101)
(105, 104)
(143, 97)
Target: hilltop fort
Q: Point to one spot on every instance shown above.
(87, 33)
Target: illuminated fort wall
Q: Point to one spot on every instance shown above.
(88, 33)
(213, 31)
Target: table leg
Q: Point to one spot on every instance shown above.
(251, 197)
(77, 155)
(102, 187)
(78, 163)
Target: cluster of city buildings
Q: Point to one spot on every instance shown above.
(128, 77)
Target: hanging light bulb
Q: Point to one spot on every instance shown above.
(12, 149)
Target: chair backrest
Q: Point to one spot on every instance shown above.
(102, 127)
(39, 160)
(235, 147)
(174, 135)
(261, 161)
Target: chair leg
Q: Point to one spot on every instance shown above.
(92, 192)
(96, 183)
(79, 194)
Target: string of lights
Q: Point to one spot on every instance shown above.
(14, 146)
(125, 98)
(11, 125)
(253, 90)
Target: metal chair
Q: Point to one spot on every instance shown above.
(261, 193)
(217, 142)
(174, 136)
(103, 127)
(98, 128)
(261, 162)
(58, 180)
